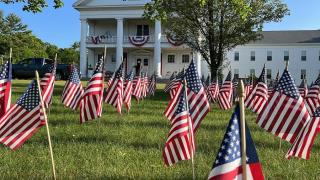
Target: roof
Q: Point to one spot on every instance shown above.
(289, 37)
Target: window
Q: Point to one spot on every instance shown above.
(303, 55)
(236, 56)
(286, 55)
(145, 62)
(26, 61)
(269, 74)
(236, 73)
(303, 73)
(252, 72)
(171, 58)
(185, 58)
(253, 56)
(269, 55)
(113, 58)
(142, 30)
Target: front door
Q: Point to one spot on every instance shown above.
(143, 64)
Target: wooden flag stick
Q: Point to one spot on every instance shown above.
(190, 128)
(243, 130)
(10, 55)
(47, 127)
(55, 61)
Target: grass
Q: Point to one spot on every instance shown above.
(130, 146)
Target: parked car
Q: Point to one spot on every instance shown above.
(27, 67)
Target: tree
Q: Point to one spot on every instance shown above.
(69, 55)
(12, 24)
(75, 46)
(34, 5)
(215, 27)
(24, 45)
(51, 50)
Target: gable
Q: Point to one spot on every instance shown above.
(106, 3)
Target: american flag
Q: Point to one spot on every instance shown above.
(114, 94)
(180, 143)
(152, 85)
(47, 83)
(144, 85)
(5, 87)
(312, 99)
(128, 88)
(137, 87)
(303, 88)
(303, 144)
(176, 83)
(173, 84)
(248, 87)
(73, 90)
(225, 93)
(259, 95)
(228, 161)
(285, 113)
(91, 107)
(235, 82)
(173, 104)
(23, 119)
(272, 86)
(196, 96)
(168, 85)
(213, 91)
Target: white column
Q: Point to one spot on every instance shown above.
(119, 42)
(157, 48)
(198, 62)
(83, 48)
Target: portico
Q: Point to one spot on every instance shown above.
(120, 27)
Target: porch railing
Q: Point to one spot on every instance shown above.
(113, 39)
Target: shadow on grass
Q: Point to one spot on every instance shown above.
(99, 140)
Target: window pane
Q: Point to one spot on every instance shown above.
(269, 55)
(286, 56)
(303, 73)
(139, 30)
(303, 55)
(146, 62)
(146, 30)
(236, 73)
(185, 58)
(171, 58)
(236, 56)
(253, 56)
(113, 58)
(252, 72)
(269, 74)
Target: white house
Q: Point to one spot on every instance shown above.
(118, 24)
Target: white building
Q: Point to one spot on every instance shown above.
(301, 48)
(119, 25)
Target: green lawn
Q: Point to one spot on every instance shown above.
(130, 146)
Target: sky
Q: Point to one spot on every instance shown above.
(62, 26)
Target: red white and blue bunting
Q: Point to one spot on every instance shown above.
(138, 40)
(97, 39)
(174, 41)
